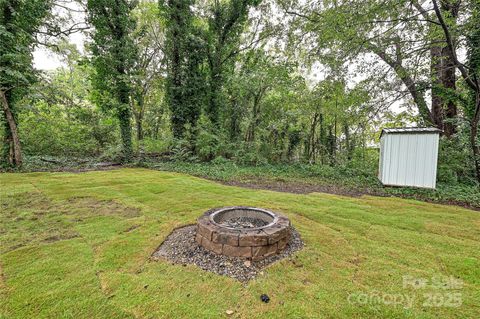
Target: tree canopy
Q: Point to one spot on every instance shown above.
(248, 81)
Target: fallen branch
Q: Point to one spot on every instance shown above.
(50, 160)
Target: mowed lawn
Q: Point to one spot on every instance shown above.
(79, 246)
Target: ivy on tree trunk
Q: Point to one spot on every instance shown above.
(114, 55)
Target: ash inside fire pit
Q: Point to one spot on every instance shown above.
(243, 222)
(242, 217)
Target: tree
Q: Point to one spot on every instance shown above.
(19, 23)
(256, 75)
(148, 68)
(402, 34)
(443, 78)
(114, 55)
(58, 119)
(226, 23)
(470, 72)
(185, 85)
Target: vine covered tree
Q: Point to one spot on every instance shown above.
(185, 86)
(469, 71)
(226, 24)
(114, 55)
(19, 23)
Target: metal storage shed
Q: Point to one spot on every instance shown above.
(408, 157)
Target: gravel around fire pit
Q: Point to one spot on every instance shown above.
(243, 222)
(180, 247)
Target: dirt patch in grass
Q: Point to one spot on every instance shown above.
(88, 169)
(181, 248)
(62, 166)
(33, 218)
(29, 200)
(299, 188)
(131, 228)
(88, 206)
(52, 239)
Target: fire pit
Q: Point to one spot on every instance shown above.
(245, 232)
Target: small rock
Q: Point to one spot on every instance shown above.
(265, 298)
(229, 312)
(247, 263)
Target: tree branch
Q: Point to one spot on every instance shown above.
(474, 85)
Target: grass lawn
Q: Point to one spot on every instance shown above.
(322, 178)
(79, 245)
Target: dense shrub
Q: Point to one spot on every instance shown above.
(48, 130)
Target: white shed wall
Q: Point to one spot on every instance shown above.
(409, 159)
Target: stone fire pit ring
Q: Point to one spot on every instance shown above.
(245, 232)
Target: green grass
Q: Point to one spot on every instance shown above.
(359, 180)
(79, 245)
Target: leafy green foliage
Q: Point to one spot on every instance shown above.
(241, 82)
(62, 120)
(147, 96)
(114, 55)
(226, 22)
(185, 88)
(19, 23)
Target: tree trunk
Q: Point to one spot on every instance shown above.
(334, 153)
(234, 120)
(213, 107)
(15, 146)
(444, 110)
(124, 113)
(474, 136)
(448, 72)
(139, 124)
(156, 128)
(321, 138)
(414, 90)
(331, 145)
(349, 145)
(126, 134)
(311, 146)
(436, 75)
(253, 125)
(174, 77)
(472, 82)
(449, 83)
(256, 115)
(138, 115)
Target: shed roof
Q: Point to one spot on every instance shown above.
(411, 130)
